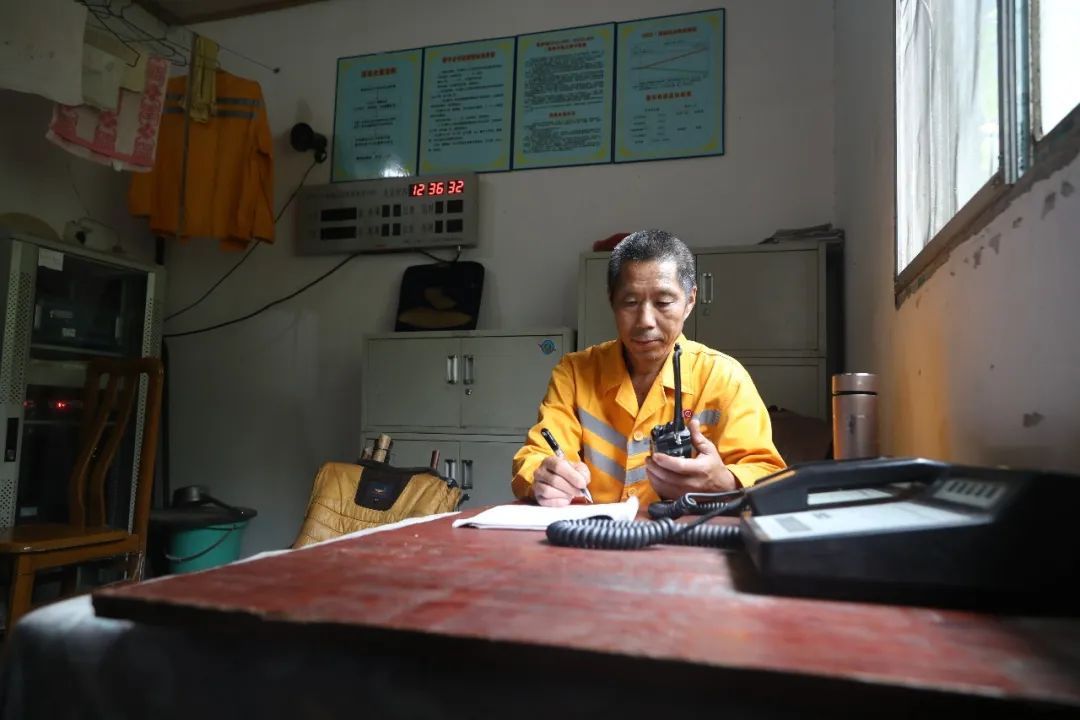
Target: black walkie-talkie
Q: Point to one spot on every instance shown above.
(673, 438)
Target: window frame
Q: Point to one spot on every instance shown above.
(1023, 158)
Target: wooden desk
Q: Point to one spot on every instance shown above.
(680, 625)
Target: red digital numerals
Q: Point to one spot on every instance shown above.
(450, 187)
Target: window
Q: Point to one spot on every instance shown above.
(977, 81)
(1056, 54)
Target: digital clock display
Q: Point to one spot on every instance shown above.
(441, 187)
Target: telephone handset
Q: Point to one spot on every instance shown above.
(812, 484)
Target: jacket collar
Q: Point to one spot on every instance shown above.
(667, 373)
(614, 372)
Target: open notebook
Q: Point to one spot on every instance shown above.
(535, 517)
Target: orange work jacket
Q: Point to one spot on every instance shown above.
(592, 410)
(230, 181)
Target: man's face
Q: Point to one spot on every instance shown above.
(650, 308)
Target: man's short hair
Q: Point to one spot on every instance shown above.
(657, 245)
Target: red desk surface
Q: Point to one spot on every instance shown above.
(667, 604)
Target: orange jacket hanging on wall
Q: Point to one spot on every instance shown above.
(229, 190)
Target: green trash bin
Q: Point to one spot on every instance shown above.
(205, 547)
(203, 536)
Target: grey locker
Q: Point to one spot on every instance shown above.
(504, 379)
(412, 381)
(486, 471)
(471, 395)
(791, 383)
(759, 303)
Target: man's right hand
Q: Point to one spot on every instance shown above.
(558, 481)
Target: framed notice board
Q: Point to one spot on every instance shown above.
(562, 102)
(376, 112)
(669, 95)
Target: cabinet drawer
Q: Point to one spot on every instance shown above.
(761, 303)
(596, 324)
(482, 468)
(412, 381)
(796, 384)
(417, 453)
(504, 379)
(447, 383)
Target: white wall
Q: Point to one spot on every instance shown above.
(982, 364)
(256, 408)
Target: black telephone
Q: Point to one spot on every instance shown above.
(889, 529)
(953, 534)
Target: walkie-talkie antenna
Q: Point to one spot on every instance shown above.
(676, 366)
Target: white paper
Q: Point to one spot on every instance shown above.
(535, 517)
(41, 48)
(52, 259)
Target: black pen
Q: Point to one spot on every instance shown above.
(559, 453)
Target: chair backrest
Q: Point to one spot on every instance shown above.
(106, 417)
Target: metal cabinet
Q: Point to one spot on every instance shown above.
(761, 303)
(791, 383)
(596, 323)
(413, 381)
(470, 395)
(62, 305)
(776, 308)
(480, 466)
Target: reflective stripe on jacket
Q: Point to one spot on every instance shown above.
(591, 409)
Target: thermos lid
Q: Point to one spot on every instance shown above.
(855, 383)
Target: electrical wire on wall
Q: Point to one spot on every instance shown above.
(248, 254)
(268, 305)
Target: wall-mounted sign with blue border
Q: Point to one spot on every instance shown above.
(376, 114)
(564, 85)
(669, 98)
(467, 107)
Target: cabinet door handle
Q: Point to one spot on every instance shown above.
(466, 475)
(451, 369)
(468, 370)
(450, 469)
(709, 287)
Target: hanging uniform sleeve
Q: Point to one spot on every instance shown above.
(257, 200)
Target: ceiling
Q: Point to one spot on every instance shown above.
(187, 12)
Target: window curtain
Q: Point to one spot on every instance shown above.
(946, 113)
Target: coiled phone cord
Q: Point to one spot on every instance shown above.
(688, 505)
(606, 534)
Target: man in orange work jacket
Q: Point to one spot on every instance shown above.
(602, 403)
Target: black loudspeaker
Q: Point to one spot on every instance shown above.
(440, 296)
(303, 138)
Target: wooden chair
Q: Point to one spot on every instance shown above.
(86, 537)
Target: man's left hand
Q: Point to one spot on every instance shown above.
(672, 477)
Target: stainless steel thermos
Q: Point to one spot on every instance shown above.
(854, 415)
